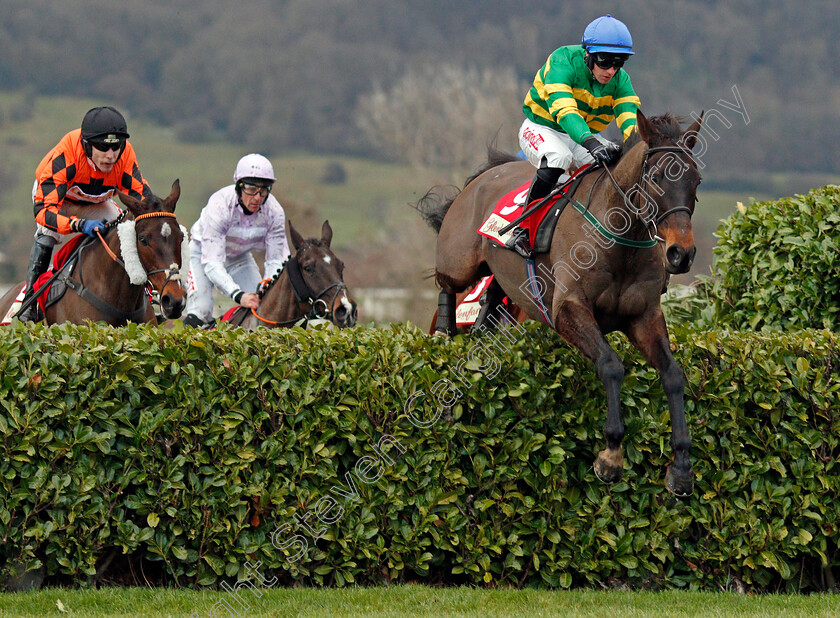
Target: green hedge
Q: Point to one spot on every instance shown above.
(777, 264)
(197, 452)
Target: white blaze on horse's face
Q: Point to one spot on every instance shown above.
(165, 230)
(327, 259)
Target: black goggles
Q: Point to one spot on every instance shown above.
(106, 145)
(609, 61)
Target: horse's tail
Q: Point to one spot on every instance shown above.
(435, 204)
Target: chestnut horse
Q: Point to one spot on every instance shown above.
(605, 270)
(310, 287)
(114, 274)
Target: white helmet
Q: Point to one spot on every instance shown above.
(254, 166)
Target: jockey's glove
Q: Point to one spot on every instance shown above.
(601, 152)
(88, 226)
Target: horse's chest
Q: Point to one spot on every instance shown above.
(624, 299)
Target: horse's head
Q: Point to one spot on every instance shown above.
(667, 185)
(323, 273)
(154, 248)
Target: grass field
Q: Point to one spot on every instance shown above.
(412, 600)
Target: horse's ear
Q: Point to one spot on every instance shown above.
(297, 239)
(133, 204)
(172, 199)
(690, 135)
(326, 233)
(645, 128)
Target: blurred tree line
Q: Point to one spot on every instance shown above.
(427, 81)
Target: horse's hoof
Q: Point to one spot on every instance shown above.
(681, 484)
(609, 466)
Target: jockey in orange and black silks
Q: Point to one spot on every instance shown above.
(86, 168)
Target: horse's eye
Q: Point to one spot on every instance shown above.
(309, 268)
(144, 240)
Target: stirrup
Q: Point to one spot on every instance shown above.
(519, 242)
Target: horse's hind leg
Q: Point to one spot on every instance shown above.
(576, 324)
(650, 335)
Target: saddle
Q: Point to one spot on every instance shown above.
(540, 219)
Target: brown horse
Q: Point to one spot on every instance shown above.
(601, 274)
(115, 273)
(310, 287)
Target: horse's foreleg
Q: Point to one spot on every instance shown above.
(650, 335)
(577, 325)
(445, 323)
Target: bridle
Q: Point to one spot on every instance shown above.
(644, 182)
(173, 273)
(319, 309)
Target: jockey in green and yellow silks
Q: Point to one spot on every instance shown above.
(575, 95)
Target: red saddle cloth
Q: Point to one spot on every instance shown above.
(59, 260)
(468, 309)
(509, 207)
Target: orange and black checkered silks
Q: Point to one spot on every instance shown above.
(66, 175)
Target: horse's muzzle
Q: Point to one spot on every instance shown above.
(172, 306)
(345, 313)
(678, 260)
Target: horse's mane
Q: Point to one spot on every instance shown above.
(434, 205)
(668, 126)
(307, 242)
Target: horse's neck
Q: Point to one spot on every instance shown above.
(106, 277)
(279, 303)
(627, 177)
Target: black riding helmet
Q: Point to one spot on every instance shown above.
(104, 125)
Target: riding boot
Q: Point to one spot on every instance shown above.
(193, 320)
(543, 182)
(39, 261)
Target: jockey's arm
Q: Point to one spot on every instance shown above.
(49, 196)
(220, 278)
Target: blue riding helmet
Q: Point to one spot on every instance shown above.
(607, 34)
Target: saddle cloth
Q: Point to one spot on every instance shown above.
(52, 293)
(468, 309)
(510, 206)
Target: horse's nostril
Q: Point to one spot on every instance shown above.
(674, 255)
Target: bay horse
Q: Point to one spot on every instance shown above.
(310, 287)
(116, 272)
(605, 270)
